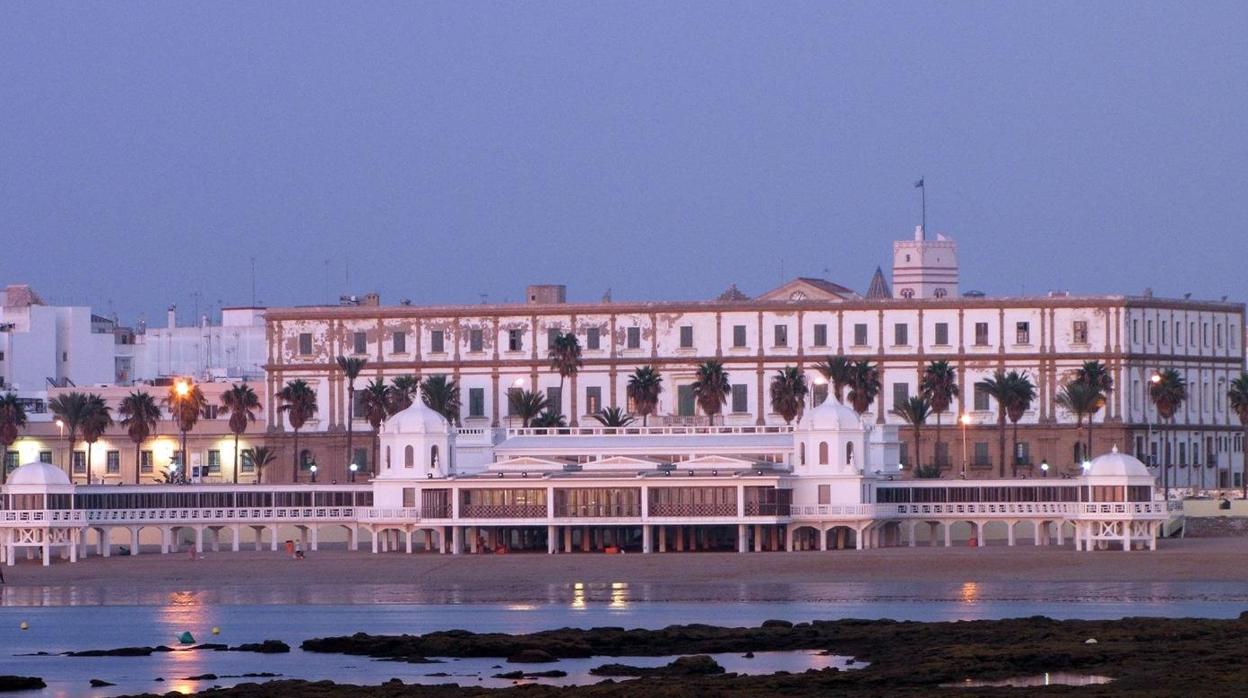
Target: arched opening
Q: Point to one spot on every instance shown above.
(849, 453)
(801, 453)
(387, 457)
(305, 459)
(823, 453)
(433, 457)
(409, 457)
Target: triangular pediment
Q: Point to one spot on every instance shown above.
(809, 289)
(623, 463)
(712, 461)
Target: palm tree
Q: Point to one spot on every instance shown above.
(262, 457)
(788, 393)
(351, 368)
(1238, 397)
(140, 415)
(613, 417)
(915, 411)
(1095, 374)
(186, 402)
(1167, 393)
(442, 396)
(565, 357)
(864, 386)
(71, 409)
(299, 403)
(939, 386)
(99, 419)
(1021, 394)
(403, 391)
(712, 388)
(240, 402)
(378, 404)
(1082, 400)
(644, 387)
(838, 370)
(12, 418)
(526, 404)
(550, 420)
(998, 387)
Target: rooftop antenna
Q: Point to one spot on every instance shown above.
(253, 282)
(328, 298)
(923, 197)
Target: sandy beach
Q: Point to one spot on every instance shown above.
(1192, 560)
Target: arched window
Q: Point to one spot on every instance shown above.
(433, 456)
(387, 457)
(940, 293)
(305, 459)
(801, 453)
(409, 457)
(907, 293)
(849, 453)
(823, 453)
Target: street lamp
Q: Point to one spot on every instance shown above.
(1044, 468)
(819, 379)
(181, 391)
(312, 469)
(516, 386)
(61, 425)
(1155, 378)
(966, 420)
(353, 467)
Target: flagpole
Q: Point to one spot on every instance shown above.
(923, 192)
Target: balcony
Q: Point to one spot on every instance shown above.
(693, 510)
(502, 511)
(767, 509)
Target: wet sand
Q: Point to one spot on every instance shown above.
(1193, 560)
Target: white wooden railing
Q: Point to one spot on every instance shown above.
(222, 515)
(41, 516)
(650, 431)
(396, 514)
(1134, 509)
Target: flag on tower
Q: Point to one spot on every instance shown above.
(919, 184)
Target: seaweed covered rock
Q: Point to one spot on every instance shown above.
(697, 665)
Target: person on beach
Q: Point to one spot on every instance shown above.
(299, 550)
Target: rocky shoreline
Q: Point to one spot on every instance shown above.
(1144, 656)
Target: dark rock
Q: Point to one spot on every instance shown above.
(266, 647)
(20, 683)
(777, 624)
(202, 677)
(748, 655)
(117, 652)
(532, 656)
(515, 675)
(697, 665)
(100, 683)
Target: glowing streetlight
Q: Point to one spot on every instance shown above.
(965, 419)
(353, 468)
(312, 469)
(1044, 468)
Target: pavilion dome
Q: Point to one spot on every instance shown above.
(1118, 466)
(831, 414)
(416, 419)
(39, 474)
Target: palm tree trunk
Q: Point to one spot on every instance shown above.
(918, 450)
(294, 471)
(186, 458)
(89, 445)
(1001, 442)
(1088, 454)
(138, 458)
(350, 421)
(1014, 452)
(376, 452)
(936, 454)
(237, 459)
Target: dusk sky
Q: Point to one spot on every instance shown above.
(663, 150)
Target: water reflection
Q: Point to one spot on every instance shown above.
(1059, 678)
(624, 595)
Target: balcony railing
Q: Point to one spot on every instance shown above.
(767, 509)
(661, 510)
(1157, 509)
(399, 514)
(651, 431)
(41, 516)
(502, 511)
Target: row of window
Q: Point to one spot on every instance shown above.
(191, 500)
(981, 336)
(1192, 337)
(147, 460)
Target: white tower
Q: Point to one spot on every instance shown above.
(925, 268)
(831, 440)
(415, 443)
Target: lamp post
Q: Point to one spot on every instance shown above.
(516, 386)
(1044, 468)
(1155, 378)
(182, 389)
(817, 380)
(61, 426)
(312, 469)
(965, 420)
(352, 468)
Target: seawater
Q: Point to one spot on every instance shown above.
(84, 617)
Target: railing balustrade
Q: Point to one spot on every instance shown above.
(502, 511)
(668, 509)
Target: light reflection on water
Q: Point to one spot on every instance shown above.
(990, 598)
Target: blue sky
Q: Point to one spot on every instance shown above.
(441, 151)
